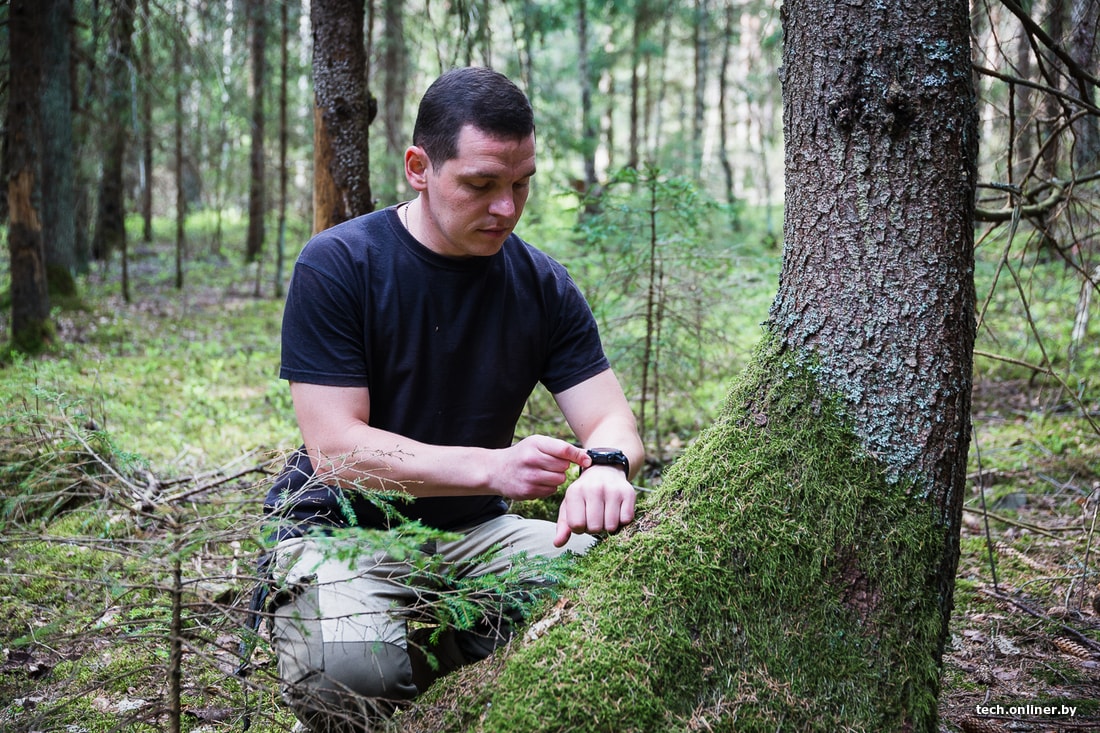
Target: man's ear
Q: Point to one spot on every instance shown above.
(416, 167)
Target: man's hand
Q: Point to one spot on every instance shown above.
(535, 467)
(600, 500)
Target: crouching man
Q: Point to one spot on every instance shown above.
(412, 338)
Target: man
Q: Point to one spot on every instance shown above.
(412, 338)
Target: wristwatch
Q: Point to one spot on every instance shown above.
(609, 457)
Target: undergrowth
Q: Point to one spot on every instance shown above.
(146, 440)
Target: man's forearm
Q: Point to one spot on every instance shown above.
(367, 458)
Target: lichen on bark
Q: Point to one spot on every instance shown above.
(777, 580)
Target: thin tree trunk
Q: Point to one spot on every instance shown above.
(723, 103)
(181, 197)
(257, 23)
(1084, 24)
(284, 64)
(30, 301)
(395, 75)
(702, 61)
(147, 123)
(110, 232)
(1023, 146)
(632, 158)
(58, 192)
(1053, 112)
(588, 129)
(342, 113)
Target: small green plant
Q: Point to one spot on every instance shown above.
(655, 274)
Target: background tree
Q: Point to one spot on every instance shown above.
(394, 66)
(178, 124)
(31, 328)
(257, 25)
(58, 191)
(284, 172)
(343, 110)
(148, 71)
(110, 226)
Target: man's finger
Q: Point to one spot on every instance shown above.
(563, 531)
(566, 451)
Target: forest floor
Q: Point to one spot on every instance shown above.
(1024, 652)
(145, 398)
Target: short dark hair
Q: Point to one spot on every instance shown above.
(472, 95)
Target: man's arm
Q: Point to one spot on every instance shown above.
(348, 451)
(602, 498)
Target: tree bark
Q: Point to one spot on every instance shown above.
(589, 139)
(257, 22)
(284, 170)
(148, 70)
(1085, 23)
(30, 324)
(881, 140)
(795, 569)
(882, 133)
(58, 191)
(395, 79)
(701, 48)
(110, 231)
(342, 113)
(177, 137)
(729, 35)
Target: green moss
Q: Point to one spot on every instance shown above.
(777, 581)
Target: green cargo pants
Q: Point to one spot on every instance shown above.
(346, 658)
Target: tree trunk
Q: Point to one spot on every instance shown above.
(701, 47)
(1023, 144)
(342, 113)
(883, 132)
(58, 192)
(30, 301)
(1084, 23)
(110, 231)
(589, 139)
(795, 569)
(148, 70)
(1053, 111)
(178, 121)
(729, 36)
(632, 157)
(257, 23)
(395, 78)
(284, 171)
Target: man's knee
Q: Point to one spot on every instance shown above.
(357, 684)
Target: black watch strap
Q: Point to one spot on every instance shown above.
(610, 457)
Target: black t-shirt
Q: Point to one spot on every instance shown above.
(449, 348)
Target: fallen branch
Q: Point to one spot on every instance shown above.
(1027, 608)
(1046, 532)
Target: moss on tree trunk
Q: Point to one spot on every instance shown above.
(769, 585)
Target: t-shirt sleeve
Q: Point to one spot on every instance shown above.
(323, 330)
(576, 353)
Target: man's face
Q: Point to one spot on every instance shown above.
(472, 202)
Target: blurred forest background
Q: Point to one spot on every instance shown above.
(172, 145)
